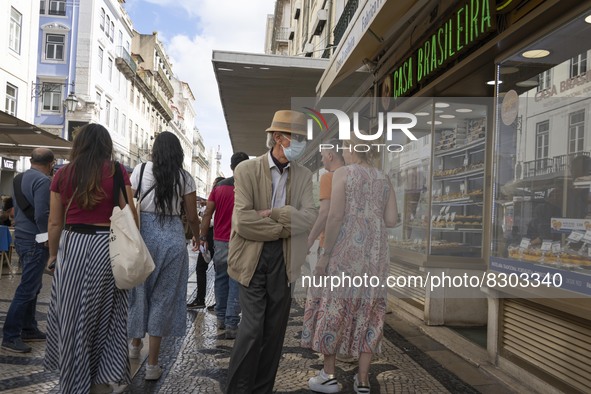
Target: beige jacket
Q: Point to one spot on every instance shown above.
(292, 223)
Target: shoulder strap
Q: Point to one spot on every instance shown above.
(20, 198)
(118, 185)
(139, 186)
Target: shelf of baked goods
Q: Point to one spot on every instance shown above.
(573, 253)
(459, 172)
(469, 197)
(454, 222)
(466, 135)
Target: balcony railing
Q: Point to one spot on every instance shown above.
(125, 63)
(164, 80)
(344, 20)
(282, 34)
(550, 165)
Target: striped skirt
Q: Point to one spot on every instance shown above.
(87, 321)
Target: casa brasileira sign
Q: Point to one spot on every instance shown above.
(469, 24)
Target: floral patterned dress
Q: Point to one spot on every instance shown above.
(350, 319)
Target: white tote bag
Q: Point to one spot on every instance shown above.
(130, 259)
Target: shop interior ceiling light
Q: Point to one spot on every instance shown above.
(535, 53)
(588, 19)
(446, 116)
(493, 82)
(508, 70)
(438, 111)
(463, 110)
(435, 123)
(422, 114)
(530, 83)
(441, 105)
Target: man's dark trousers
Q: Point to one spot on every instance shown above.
(265, 307)
(21, 314)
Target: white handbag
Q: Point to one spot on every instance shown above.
(130, 258)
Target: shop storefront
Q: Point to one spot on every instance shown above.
(498, 181)
(7, 173)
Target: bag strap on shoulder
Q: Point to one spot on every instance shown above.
(138, 193)
(118, 185)
(20, 198)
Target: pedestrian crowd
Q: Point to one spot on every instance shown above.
(255, 226)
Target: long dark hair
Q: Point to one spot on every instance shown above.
(167, 156)
(91, 148)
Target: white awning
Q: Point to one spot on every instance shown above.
(253, 86)
(19, 138)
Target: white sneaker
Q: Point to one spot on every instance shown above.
(324, 383)
(360, 389)
(134, 351)
(153, 372)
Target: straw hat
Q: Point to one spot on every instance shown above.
(289, 122)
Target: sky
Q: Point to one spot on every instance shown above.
(190, 30)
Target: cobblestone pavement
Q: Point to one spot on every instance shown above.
(198, 362)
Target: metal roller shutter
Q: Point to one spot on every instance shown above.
(553, 344)
(413, 295)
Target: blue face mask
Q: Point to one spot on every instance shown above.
(295, 150)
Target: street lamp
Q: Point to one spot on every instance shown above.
(71, 102)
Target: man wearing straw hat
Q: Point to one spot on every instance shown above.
(273, 214)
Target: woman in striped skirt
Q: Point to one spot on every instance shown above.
(157, 307)
(87, 321)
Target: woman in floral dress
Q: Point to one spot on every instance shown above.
(349, 319)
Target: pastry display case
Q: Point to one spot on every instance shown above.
(439, 183)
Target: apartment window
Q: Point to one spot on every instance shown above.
(42, 7)
(120, 38)
(54, 46)
(131, 93)
(130, 127)
(136, 134)
(542, 143)
(52, 97)
(123, 123)
(57, 7)
(576, 131)
(116, 120)
(16, 22)
(137, 101)
(101, 54)
(110, 69)
(11, 97)
(112, 31)
(107, 24)
(108, 113)
(578, 65)
(544, 81)
(102, 21)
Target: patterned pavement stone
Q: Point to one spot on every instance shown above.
(198, 362)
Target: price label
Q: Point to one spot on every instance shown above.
(447, 209)
(447, 190)
(462, 187)
(440, 165)
(575, 236)
(546, 245)
(446, 217)
(524, 243)
(465, 160)
(453, 216)
(587, 236)
(555, 247)
(442, 210)
(438, 218)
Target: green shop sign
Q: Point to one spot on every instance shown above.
(467, 25)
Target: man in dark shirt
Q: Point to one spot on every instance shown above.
(30, 240)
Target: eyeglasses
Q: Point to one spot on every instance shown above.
(297, 137)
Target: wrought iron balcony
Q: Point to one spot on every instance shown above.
(344, 20)
(125, 63)
(550, 165)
